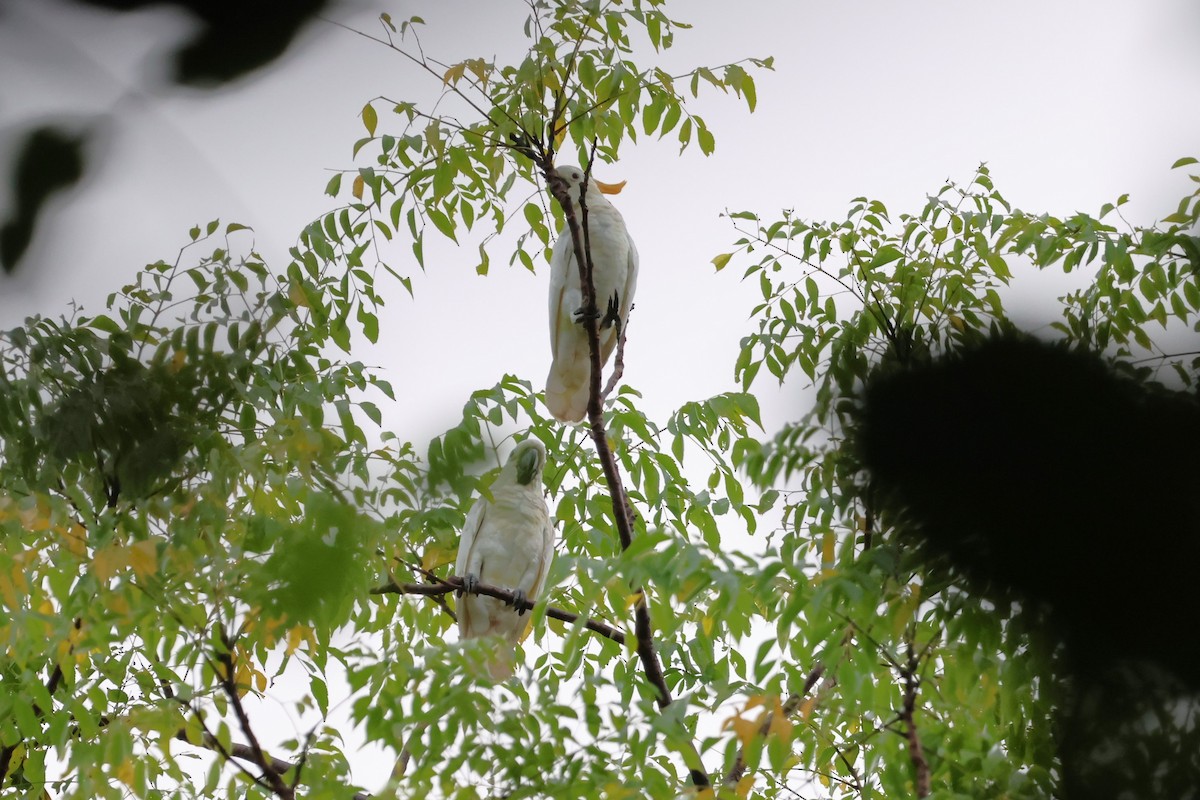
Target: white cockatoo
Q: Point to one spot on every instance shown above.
(507, 542)
(614, 274)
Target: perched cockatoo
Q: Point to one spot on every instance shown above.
(614, 274)
(507, 542)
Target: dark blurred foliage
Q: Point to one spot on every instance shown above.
(1042, 475)
(232, 39)
(49, 160)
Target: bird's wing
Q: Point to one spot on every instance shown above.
(463, 564)
(561, 261)
(631, 277)
(539, 580)
(566, 383)
(547, 558)
(470, 531)
(609, 342)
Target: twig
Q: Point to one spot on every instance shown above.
(446, 585)
(916, 753)
(792, 705)
(274, 778)
(246, 753)
(619, 358)
(52, 683)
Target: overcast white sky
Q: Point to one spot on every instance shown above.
(1071, 103)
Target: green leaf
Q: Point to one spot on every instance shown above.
(370, 118)
(442, 223)
(335, 185)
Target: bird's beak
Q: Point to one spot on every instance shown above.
(609, 188)
(527, 466)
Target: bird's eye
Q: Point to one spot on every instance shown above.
(575, 175)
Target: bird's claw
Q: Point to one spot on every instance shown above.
(612, 314)
(519, 600)
(581, 314)
(470, 583)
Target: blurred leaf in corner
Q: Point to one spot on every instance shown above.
(234, 38)
(50, 159)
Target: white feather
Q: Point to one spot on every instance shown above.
(507, 542)
(614, 273)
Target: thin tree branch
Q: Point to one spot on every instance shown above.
(791, 706)
(52, 684)
(916, 753)
(274, 778)
(622, 510)
(619, 358)
(245, 752)
(455, 584)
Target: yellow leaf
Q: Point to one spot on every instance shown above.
(74, 539)
(436, 555)
(108, 561)
(36, 517)
(17, 758)
(143, 557)
(117, 603)
(479, 68)
(294, 637)
(806, 707)
(707, 625)
(615, 791)
(744, 729)
(243, 673)
(781, 726)
(828, 545)
(297, 295)
(957, 323)
(124, 772)
(370, 118)
(744, 785)
(454, 74)
(177, 361)
(14, 585)
(720, 261)
(8, 592)
(357, 188)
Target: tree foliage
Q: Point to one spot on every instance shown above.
(199, 505)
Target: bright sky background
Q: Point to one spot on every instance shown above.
(1070, 102)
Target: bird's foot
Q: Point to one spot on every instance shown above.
(519, 601)
(581, 315)
(612, 314)
(470, 583)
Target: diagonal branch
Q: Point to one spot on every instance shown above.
(622, 510)
(618, 358)
(245, 752)
(272, 777)
(791, 706)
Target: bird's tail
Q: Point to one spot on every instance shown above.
(567, 389)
